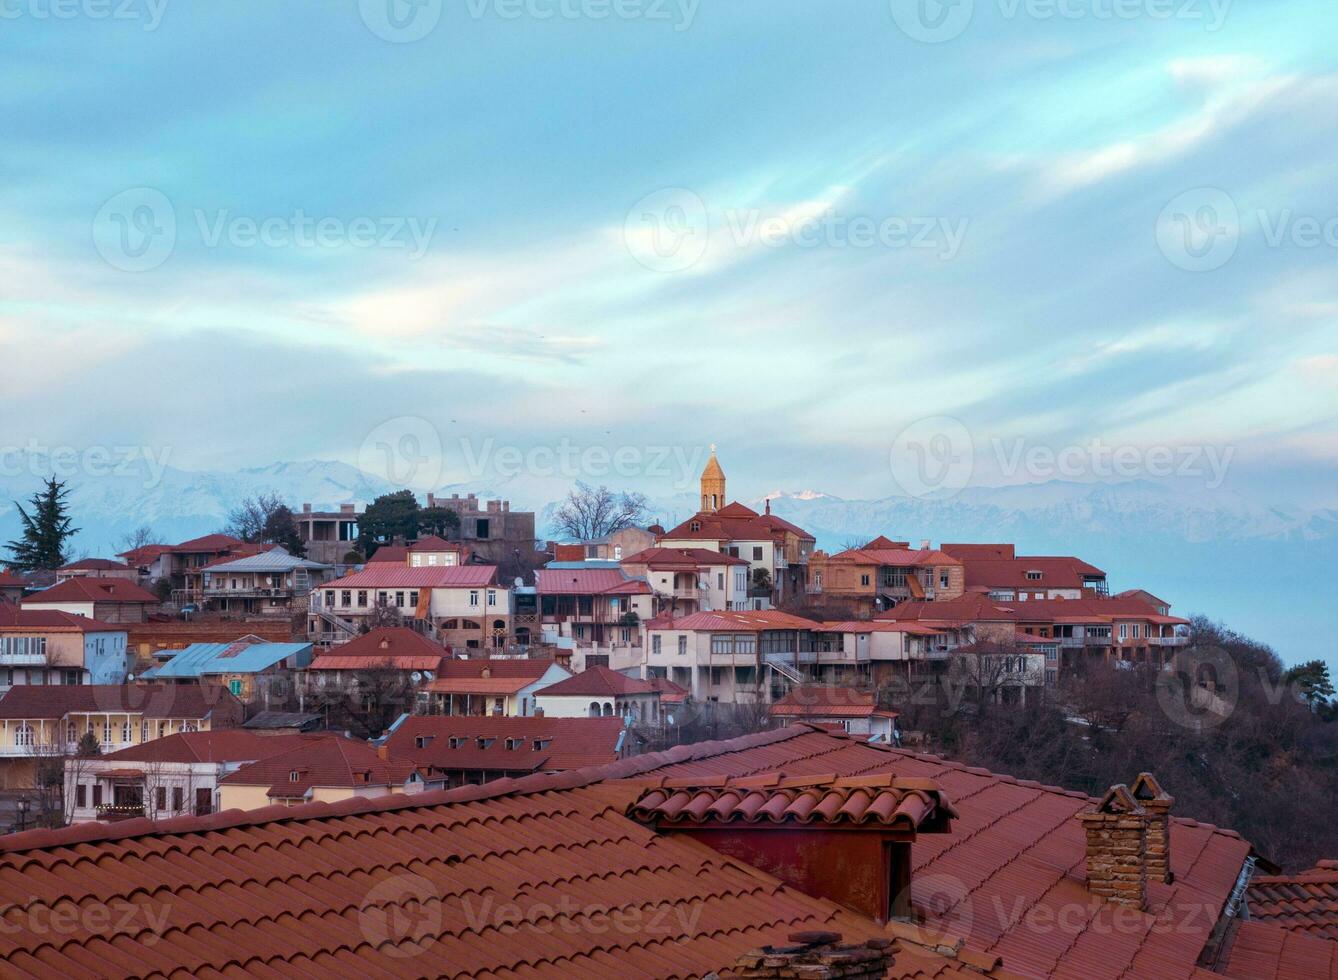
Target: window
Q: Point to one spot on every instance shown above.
(346, 598)
(720, 581)
(722, 643)
(329, 598)
(474, 597)
(757, 553)
(1050, 676)
(1137, 630)
(293, 776)
(97, 794)
(413, 600)
(24, 735)
(178, 799)
(1124, 631)
(73, 676)
(1033, 576)
(696, 525)
(399, 599)
(81, 796)
(235, 686)
(160, 798)
(126, 731)
(682, 645)
(492, 597)
(627, 634)
(943, 579)
(481, 528)
(71, 733)
(362, 598)
(864, 580)
(655, 644)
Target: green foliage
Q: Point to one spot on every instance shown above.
(45, 530)
(1313, 684)
(441, 521)
(389, 517)
(354, 557)
(761, 579)
(88, 746)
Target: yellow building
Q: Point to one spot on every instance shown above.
(323, 769)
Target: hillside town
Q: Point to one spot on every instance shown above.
(682, 692)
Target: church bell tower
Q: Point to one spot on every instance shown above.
(713, 485)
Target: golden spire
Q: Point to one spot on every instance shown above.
(713, 485)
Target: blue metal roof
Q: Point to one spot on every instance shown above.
(229, 658)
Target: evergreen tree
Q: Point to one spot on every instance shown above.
(45, 531)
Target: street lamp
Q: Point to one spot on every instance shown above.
(23, 805)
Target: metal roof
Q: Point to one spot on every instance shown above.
(200, 659)
(274, 560)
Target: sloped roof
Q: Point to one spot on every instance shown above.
(383, 575)
(86, 588)
(738, 621)
(241, 657)
(275, 560)
(396, 647)
(219, 745)
(597, 682)
(681, 558)
(320, 760)
(969, 608)
(206, 545)
(435, 543)
(896, 557)
(503, 676)
(149, 700)
(52, 620)
(827, 701)
(1305, 902)
(587, 581)
(1259, 950)
(565, 743)
(1059, 572)
(405, 885)
(94, 565)
(10, 580)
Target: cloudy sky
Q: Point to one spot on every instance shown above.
(811, 232)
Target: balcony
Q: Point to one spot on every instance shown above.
(1168, 641)
(22, 660)
(252, 593)
(113, 812)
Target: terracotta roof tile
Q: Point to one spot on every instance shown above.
(596, 681)
(85, 588)
(550, 744)
(1305, 902)
(149, 700)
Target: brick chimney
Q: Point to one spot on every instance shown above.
(817, 955)
(1117, 848)
(1157, 802)
(847, 840)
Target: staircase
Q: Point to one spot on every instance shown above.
(787, 671)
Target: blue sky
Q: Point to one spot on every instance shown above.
(790, 228)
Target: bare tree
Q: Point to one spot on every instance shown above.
(590, 513)
(248, 521)
(140, 537)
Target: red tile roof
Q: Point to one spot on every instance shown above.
(681, 558)
(596, 682)
(379, 575)
(979, 552)
(1261, 951)
(587, 581)
(563, 743)
(9, 580)
(738, 621)
(734, 522)
(187, 701)
(206, 545)
(503, 676)
(219, 745)
(320, 761)
(1056, 572)
(94, 565)
(885, 801)
(434, 543)
(52, 620)
(969, 608)
(393, 647)
(1017, 856)
(1305, 902)
(897, 557)
(144, 556)
(412, 885)
(826, 701)
(86, 588)
(670, 693)
(397, 554)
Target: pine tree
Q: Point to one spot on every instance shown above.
(45, 530)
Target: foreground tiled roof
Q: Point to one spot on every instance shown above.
(152, 701)
(388, 646)
(883, 800)
(1305, 902)
(539, 877)
(562, 743)
(1259, 950)
(1011, 876)
(85, 588)
(827, 701)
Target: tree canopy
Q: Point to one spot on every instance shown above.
(589, 513)
(390, 516)
(46, 530)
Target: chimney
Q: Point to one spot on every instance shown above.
(847, 840)
(1117, 854)
(538, 712)
(306, 508)
(817, 955)
(924, 544)
(1157, 802)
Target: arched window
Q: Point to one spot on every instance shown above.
(594, 709)
(24, 735)
(71, 732)
(608, 710)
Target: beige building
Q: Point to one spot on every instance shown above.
(321, 769)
